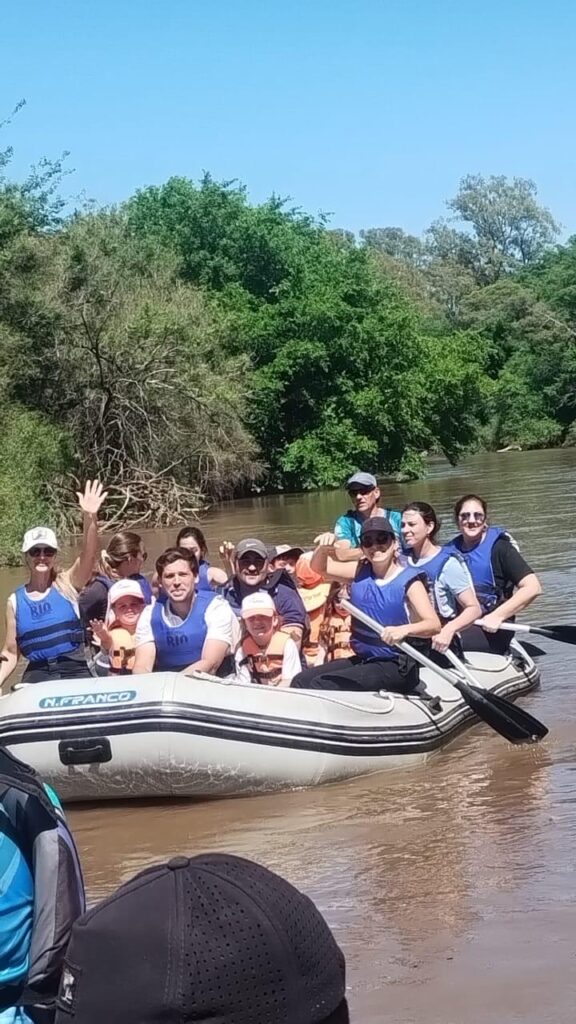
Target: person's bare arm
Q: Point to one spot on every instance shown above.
(527, 591)
(470, 612)
(425, 621)
(213, 654)
(10, 650)
(90, 501)
(217, 577)
(324, 562)
(145, 658)
(344, 552)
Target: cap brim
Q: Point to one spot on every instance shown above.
(269, 612)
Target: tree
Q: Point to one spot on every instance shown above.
(128, 359)
(396, 243)
(510, 229)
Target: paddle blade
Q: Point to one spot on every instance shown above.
(515, 724)
(564, 634)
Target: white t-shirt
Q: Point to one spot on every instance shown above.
(221, 623)
(291, 664)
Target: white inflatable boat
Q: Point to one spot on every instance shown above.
(171, 735)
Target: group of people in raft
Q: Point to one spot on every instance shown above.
(274, 617)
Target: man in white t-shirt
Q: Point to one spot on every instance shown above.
(186, 630)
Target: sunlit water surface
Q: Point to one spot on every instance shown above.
(450, 886)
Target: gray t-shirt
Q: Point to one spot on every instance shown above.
(454, 578)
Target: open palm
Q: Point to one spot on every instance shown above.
(93, 497)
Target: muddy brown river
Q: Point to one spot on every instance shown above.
(450, 886)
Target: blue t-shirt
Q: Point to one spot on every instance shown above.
(16, 917)
(349, 526)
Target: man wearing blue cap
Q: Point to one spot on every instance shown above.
(365, 493)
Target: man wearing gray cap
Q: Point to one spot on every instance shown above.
(365, 493)
(252, 571)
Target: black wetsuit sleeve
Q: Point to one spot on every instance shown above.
(93, 602)
(508, 566)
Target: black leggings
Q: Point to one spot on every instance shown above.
(60, 668)
(401, 675)
(474, 638)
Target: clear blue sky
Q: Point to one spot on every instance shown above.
(369, 109)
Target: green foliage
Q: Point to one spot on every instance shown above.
(188, 342)
(33, 452)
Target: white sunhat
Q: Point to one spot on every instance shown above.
(125, 588)
(259, 603)
(42, 535)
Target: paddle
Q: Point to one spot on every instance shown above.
(530, 723)
(500, 714)
(564, 634)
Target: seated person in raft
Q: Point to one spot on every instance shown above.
(504, 582)
(394, 595)
(266, 654)
(117, 633)
(42, 616)
(251, 572)
(186, 630)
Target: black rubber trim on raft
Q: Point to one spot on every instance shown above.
(217, 715)
(341, 741)
(83, 717)
(350, 749)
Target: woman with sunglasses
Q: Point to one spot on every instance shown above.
(449, 576)
(123, 559)
(391, 593)
(504, 582)
(42, 616)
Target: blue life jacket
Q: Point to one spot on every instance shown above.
(180, 646)
(385, 603)
(479, 562)
(145, 584)
(203, 581)
(49, 628)
(433, 567)
(34, 821)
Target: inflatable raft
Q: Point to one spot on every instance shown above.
(172, 735)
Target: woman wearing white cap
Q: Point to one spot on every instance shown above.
(42, 619)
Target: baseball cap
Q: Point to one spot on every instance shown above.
(39, 535)
(257, 604)
(256, 547)
(377, 524)
(124, 588)
(212, 939)
(362, 480)
(285, 549)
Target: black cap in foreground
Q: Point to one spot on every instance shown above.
(377, 524)
(213, 938)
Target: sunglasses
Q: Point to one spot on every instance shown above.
(39, 552)
(355, 491)
(370, 539)
(477, 517)
(247, 560)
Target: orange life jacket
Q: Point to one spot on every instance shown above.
(123, 652)
(336, 633)
(315, 619)
(265, 665)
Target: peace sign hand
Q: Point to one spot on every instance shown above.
(93, 497)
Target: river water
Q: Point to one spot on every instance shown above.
(450, 886)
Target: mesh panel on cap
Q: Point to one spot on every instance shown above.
(319, 961)
(254, 949)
